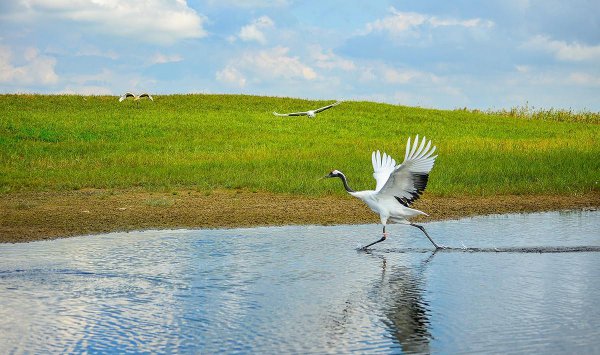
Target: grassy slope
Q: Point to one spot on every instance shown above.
(230, 141)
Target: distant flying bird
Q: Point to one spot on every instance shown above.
(397, 187)
(311, 113)
(135, 97)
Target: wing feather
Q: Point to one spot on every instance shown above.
(418, 152)
(290, 114)
(327, 107)
(430, 153)
(415, 142)
(424, 150)
(126, 95)
(407, 181)
(383, 166)
(407, 149)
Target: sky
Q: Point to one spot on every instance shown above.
(443, 54)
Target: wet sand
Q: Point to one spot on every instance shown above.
(26, 217)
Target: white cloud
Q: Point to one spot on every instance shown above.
(160, 58)
(104, 76)
(268, 64)
(277, 63)
(230, 75)
(92, 51)
(150, 20)
(328, 60)
(397, 22)
(392, 75)
(367, 73)
(475, 22)
(579, 78)
(395, 76)
(30, 54)
(572, 52)
(254, 30)
(37, 69)
(553, 77)
(252, 4)
(401, 22)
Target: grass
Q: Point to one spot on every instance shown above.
(206, 142)
(530, 112)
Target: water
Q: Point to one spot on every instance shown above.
(306, 289)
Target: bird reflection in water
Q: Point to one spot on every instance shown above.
(398, 296)
(406, 312)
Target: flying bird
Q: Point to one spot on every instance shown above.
(135, 97)
(397, 186)
(311, 113)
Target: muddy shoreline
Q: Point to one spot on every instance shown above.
(26, 217)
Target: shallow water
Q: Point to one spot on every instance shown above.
(504, 288)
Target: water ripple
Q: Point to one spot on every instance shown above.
(510, 284)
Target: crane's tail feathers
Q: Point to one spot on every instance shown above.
(407, 213)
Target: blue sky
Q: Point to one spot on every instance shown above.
(441, 54)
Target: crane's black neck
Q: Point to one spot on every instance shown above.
(343, 177)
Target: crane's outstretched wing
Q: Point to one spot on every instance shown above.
(290, 114)
(327, 107)
(126, 95)
(146, 95)
(383, 166)
(408, 180)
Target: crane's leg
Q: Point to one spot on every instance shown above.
(427, 235)
(378, 241)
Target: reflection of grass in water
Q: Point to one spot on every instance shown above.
(206, 142)
(159, 202)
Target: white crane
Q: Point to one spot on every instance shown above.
(397, 186)
(311, 113)
(135, 97)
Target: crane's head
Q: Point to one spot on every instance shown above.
(311, 114)
(333, 174)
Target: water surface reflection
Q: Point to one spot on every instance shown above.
(400, 291)
(305, 289)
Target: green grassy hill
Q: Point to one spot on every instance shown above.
(233, 141)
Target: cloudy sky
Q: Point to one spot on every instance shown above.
(437, 53)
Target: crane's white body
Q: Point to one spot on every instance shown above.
(388, 208)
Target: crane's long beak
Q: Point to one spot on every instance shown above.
(324, 177)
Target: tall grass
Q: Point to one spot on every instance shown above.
(205, 142)
(551, 114)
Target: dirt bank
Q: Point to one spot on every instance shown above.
(27, 217)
